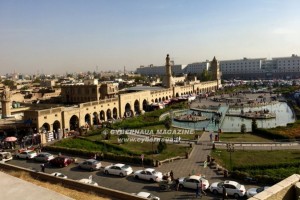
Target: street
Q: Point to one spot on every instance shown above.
(128, 184)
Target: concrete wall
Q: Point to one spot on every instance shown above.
(284, 190)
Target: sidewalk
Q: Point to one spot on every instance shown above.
(193, 165)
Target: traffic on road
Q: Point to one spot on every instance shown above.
(129, 179)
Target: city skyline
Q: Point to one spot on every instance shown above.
(72, 36)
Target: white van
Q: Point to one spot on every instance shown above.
(5, 156)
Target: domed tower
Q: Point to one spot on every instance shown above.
(5, 102)
(168, 75)
(215, 70)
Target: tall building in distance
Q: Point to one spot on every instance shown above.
(245, 68)
(6, 102)
(215, 71)
(168, 82)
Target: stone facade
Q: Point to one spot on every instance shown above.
(96, 105)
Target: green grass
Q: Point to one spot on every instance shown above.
(261, 163)
(85, 145)
(279, 172)
(128, 148)
(242, 137)
(247, 158)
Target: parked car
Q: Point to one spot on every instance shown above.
(88, 181)
(232, 188)
(146, 195)
(90, 164)
(58, 174)
(118, 169)
(27, 154)
(192, 181)
(61, 161)
(148, 174)
(253, 191)
(44, 157)
(5, 156)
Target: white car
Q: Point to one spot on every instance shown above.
(5, 156)
(146, 195)
(28, 154)
(232, 188)
(148, 174)
(192, 181)
(253, 191)
(118, 169)
(90, 164)
(88, 181)
(58, 174)
(44, 157)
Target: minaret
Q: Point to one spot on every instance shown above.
(5, 102)
(168, 76)
(215, 70)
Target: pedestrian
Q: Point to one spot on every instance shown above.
(210, 136)
(224, 193)
(201, 188)
(43, 167)
(172, 175)
(198, 194)
(177, 184)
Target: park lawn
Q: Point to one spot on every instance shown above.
(247, 158)
(242, 137)
(134, 147)
(145, 148)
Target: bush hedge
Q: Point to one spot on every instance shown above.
(266, 174)
(269, 134)
(108, 156)
(267, 166)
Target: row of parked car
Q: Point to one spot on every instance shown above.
(232, 188)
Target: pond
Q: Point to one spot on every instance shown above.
(284, 115)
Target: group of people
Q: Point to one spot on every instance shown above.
(199, 186)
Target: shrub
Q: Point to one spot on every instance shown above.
(243, 128)
(123, 137)
(254, 125)
(162, 145)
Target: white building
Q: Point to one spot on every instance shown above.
(246, 68)
(196, 68)
(91, 82)
(287, 64)
(241, 68)
(159, 70)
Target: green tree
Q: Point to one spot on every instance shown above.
(162, 145)
(205, 75)
(123, 137)
(37, 80)
(168, 123)
(243, 128)
(254, 125)
(25, 87)
(9, 83)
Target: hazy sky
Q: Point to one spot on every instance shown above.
(58, 36)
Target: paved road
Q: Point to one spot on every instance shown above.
(181, 168)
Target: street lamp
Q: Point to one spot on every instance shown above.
(230, 149)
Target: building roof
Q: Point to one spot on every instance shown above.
(143, 88)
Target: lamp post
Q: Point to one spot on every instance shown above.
(230, 149)
(152, 148)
